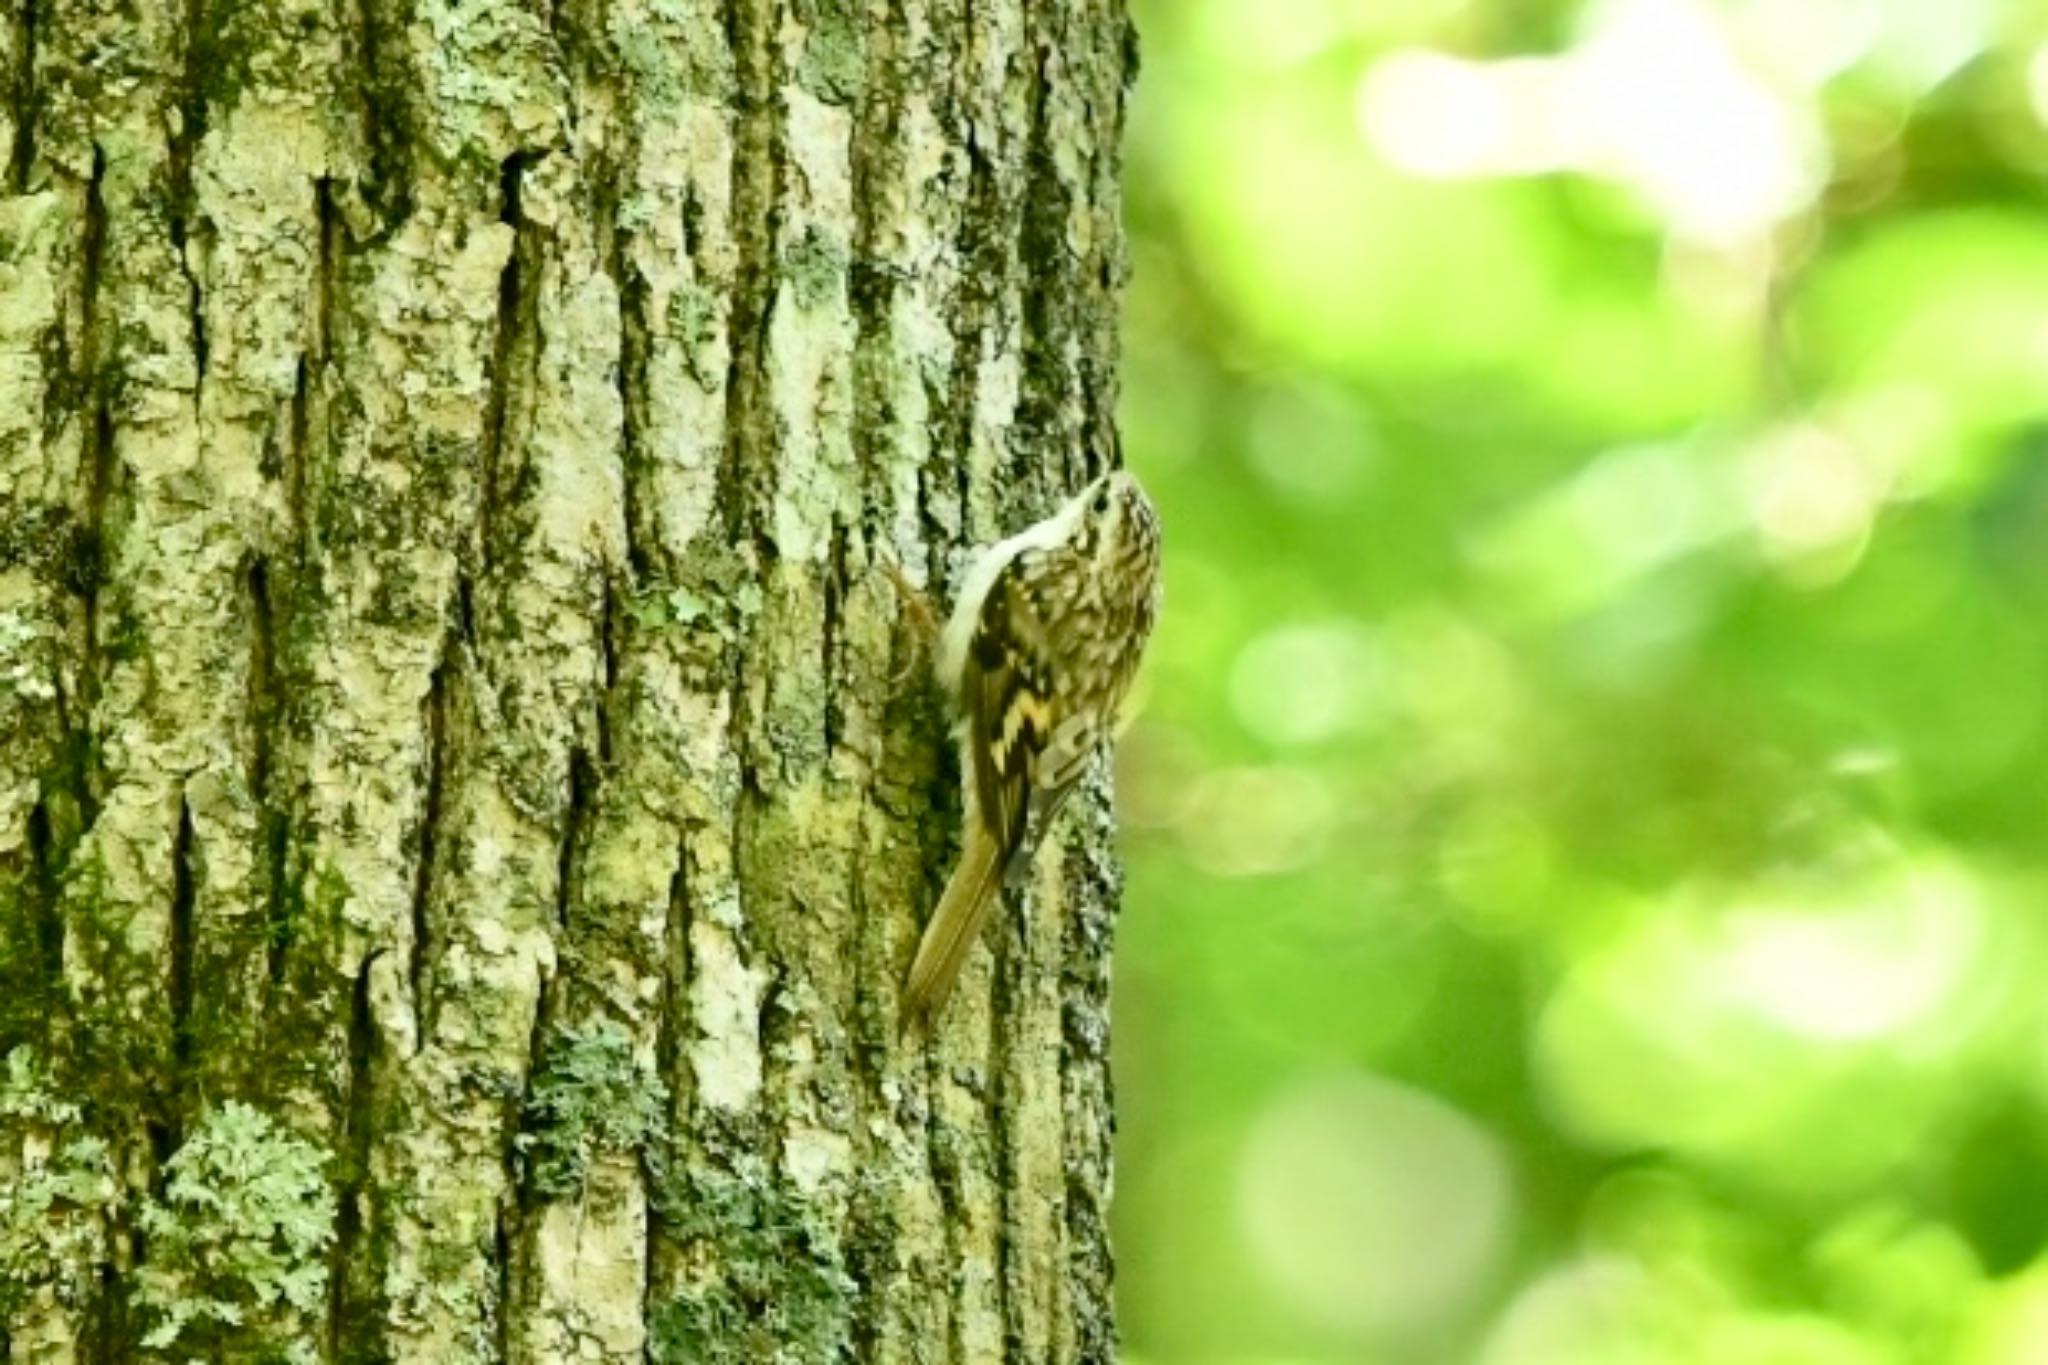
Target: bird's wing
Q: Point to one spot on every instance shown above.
(1009, 691)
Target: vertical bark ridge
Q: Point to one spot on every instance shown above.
(911, 1247)
(254, 142)
(157, 614)
(1064, 405)
(45, 561)
(1028, 981)
(969, 1138)
(48, 562)
(661, 858)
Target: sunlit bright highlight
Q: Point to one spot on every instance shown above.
(1655, 97)
(2037, 83)
(1854, 974)
(1806, 42)
(1439, 116)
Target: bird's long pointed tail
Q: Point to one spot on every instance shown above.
(954, 926)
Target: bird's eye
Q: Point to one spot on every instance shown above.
(1102, 502)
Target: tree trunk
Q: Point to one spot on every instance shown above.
(467, 795)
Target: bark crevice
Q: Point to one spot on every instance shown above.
(351, 1314)
(576, 816)
(99, 462)
(261, 697)
(503, 1239)
(511, 338)
(91, 392)
(189, 130)
(385, 100)
(1041, 243)
(831, 631)
(435, 723)
(22, 155)
(264, 707)
(178, 983)
(92, 253)
(299, 420)
(675, 984)
(630, 377)
(608, 629)
(327, 225)
(45, 882)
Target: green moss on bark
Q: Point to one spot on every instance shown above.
(775, 1288)
(589, 1098)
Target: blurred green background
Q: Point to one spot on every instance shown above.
(1588, 823)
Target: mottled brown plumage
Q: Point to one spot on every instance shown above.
(1038, 656)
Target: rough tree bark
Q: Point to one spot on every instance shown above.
(466, 797)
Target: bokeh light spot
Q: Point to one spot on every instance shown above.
(1376, 1208)
(1807, 42)
(1673, 112)
(1315, 444)
(1735, 1023)
(1250, 822)
(1812, 500)
(1590, 1312)
(1496, 862)
(1304, 683)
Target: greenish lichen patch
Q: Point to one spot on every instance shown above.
(775, 1287)
(589, 1098)
(668, 53)
(696, 319)
(834, 65)
(237, 1244)
(663, 606)
(491, 82)
(704, 609)
(816, 267)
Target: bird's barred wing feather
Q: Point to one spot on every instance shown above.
(1009, 706)
(1042, 691)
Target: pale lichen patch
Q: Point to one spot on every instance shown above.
(813, 1157)
(725, 1006)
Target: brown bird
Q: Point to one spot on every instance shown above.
(1036, 657)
